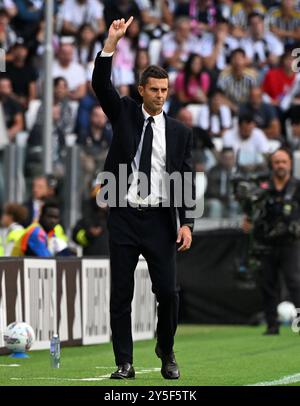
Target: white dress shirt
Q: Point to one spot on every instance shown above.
(158, 164)
(158, 161)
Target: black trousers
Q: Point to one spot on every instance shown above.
(285, 259)
(150, 233)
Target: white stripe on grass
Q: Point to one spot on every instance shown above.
(100, 378)
(286, 380)
(97, 378)
(10, 365)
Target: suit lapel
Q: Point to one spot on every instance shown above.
(170, 141)
(139, 128)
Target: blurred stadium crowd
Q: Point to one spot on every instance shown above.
(233, 79)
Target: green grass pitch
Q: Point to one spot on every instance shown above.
(207, 355)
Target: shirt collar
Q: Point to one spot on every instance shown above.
(157, 119)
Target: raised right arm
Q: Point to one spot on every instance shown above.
(107, 95)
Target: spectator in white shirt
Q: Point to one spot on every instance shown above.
(262, 48)
(72, 71)
(74, 13)
(216, 46)
(245, 138)
(219, 116)
(156, 12)
(179, 44)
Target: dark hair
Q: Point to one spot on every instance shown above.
(188, 71)
(284, 149)
(237, 51)
(83, 27)
(3, 12)
(49, 204)
(138, 52)
(246, 117)
(16, 211)
(217, 91)
(92, 45)
(227, 149)
(255, 14)
(153, 71)
(4, 76)
(222, 20)
(134, 41)
(59, 79)
(294, 114)
(287, 53)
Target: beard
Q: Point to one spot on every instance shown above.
(281, 173)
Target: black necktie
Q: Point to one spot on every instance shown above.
(145, 158)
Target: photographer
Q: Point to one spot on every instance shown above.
(277, 228)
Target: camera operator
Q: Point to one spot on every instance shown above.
(278, 228)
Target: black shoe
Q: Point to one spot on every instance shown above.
(124, 371)
(169, 367)
(271, 331)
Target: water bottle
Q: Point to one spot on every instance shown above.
(55, 351)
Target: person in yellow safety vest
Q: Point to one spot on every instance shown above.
(60, 232)
(46, 238)
(1, 246)
(13, 216)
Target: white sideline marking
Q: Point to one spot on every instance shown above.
(282, 381)
(98, 378)
(10, 365)
(136, 368)
(144, 371)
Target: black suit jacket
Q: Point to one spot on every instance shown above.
(127, 121)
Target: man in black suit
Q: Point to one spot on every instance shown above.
(145, 140)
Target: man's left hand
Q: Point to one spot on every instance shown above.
(184, 236)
